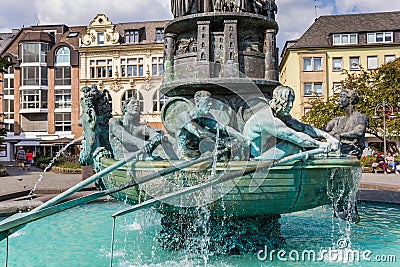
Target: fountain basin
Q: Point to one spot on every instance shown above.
(290, 187)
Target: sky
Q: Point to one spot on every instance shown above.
(294, 17)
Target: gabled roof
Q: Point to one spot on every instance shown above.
(5, 38)
(318, 35)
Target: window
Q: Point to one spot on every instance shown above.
(389, 58)
(132, 36)
(135, 94)
(62, 75)
(337, 64)
(51, 32)
(344, 39)
(312, 64)
(62, 122)
(132, 67)
(157, 66)
(63, 55)
(337, 87)
(313, 89)
(159, 34)
(307, 64)
(108, 96)
(100, 38)
(34, 52)
(8, 81)
(354, 63)
(8, 98)
(372, 62)
(9, 127)
(380, 37)
(72, 34)
(33, 99)
(34, 57)
(34, 76)
(101, 68)
(8, 85)
(159, 100)
(8, 109)
(9, 70)
(62, 98)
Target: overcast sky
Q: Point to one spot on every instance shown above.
(294, 16)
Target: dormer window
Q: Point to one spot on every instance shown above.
(159, 34)
(380, 37)
(345, 39)
(100, 38)
(72, 34)
(132, 36)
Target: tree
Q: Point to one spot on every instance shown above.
(4, 64)
(373, 87)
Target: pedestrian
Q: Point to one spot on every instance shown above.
(20, 158)
(29, 159)
(380, 162)
(391, 162)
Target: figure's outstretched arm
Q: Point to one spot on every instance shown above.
(313, 132)
(190, 125)
(279, 129)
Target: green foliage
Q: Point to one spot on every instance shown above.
(4, 64)
(366, 161)
(373, 87)
(67, 162)
(70, 162)
(42, 162)
(322, 112)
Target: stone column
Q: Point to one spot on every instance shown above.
(231, 55)
(169, 52)
(203, 49)
(271, 58)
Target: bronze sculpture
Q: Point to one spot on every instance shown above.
(350, 128)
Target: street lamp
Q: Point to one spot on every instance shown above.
(384, 107)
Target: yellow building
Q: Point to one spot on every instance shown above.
(313, 64)
(126, 59)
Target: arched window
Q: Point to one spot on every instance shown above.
(108, 96)
(159, 100)
(136, 94)
(63, 55)
(62, 68)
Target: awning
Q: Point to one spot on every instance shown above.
(59, 141)
(28, 143)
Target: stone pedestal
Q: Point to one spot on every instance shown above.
(87, 171)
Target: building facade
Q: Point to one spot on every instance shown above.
(313, 65)
(126, 60)
(41, 91)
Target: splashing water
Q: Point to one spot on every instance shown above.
(41, 176)
(342, 189)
